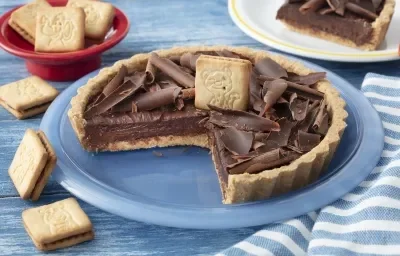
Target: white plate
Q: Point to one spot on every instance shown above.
(257, 19)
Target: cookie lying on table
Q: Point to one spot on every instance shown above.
(27, 97)
(32, 164)
(57, 225)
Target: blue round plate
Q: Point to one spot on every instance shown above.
(180, 188)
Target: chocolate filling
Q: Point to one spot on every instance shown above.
(347, 19)
(286, 116)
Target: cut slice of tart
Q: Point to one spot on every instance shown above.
(271, 124)
(360, 24)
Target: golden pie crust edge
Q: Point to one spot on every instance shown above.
(240, 187)
(379, 29)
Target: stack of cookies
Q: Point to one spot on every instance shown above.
(63, 29)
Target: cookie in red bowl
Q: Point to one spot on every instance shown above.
(61, 66)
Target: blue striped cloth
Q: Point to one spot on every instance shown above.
(365, 221)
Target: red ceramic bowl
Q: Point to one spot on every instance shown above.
(60, 66)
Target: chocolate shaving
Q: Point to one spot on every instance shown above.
(123, 107)
(361, 11)
(325, 11)
(241, 120)
(376, 3)
(237, 142)
(172, 70)
(281, 138)
(175, 59)
(152, 100)
(137, 78)
(273, 91)
(298, 107)
(312, 6)
(164, 84)
(270, 68)
(150, 73)
(257, 144)
(117, 80)
(309, 79)
(307, 141)
(122, 92)
(187, 94)
(188, 60)
(259, 136)
(306, 124)
(228, 54)
(320, 116)
(299, 89)
(255, 94)
(323, 126)
(266, 161)
(179, 103)
(154, 87)
(338, 6)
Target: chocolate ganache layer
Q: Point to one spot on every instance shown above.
(348, 19)
(286, 116)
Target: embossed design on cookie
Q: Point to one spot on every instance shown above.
(219, 83)
(91, 15)
(58, 219)
(27, 89)
(23, 166)
(59, 28)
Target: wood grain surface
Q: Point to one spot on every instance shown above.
(155, 24)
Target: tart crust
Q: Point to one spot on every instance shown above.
(239, 187)
(379, 29)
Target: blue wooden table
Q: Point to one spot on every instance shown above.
(155, 24)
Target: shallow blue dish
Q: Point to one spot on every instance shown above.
(180, 188)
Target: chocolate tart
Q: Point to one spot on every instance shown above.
(120, 126)
(358, 24)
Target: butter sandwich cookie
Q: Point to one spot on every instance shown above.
(32, 165)
(98, 17)
(222, 82)
(23, 20)
(60, 29)
(27, 97)
(57, 225)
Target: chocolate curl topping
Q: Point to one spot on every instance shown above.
(241, 120)
(125, 90)
(188, 94)
(175, 59)
(237, 142)
(299, 89)
(172, 70)
(274, 90)
(281, 138)
(270, 68)
(116, 81)
(188, 60)
(266, 161)
(326, 10)
(179, 103)
(361, 11)
(309, 79)
(152, 100)
(228, 54)
(376, 3)
(307, 141)
(338, 6)
(298, 107)
(312, 6)
(320, 115)
(150, 73)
